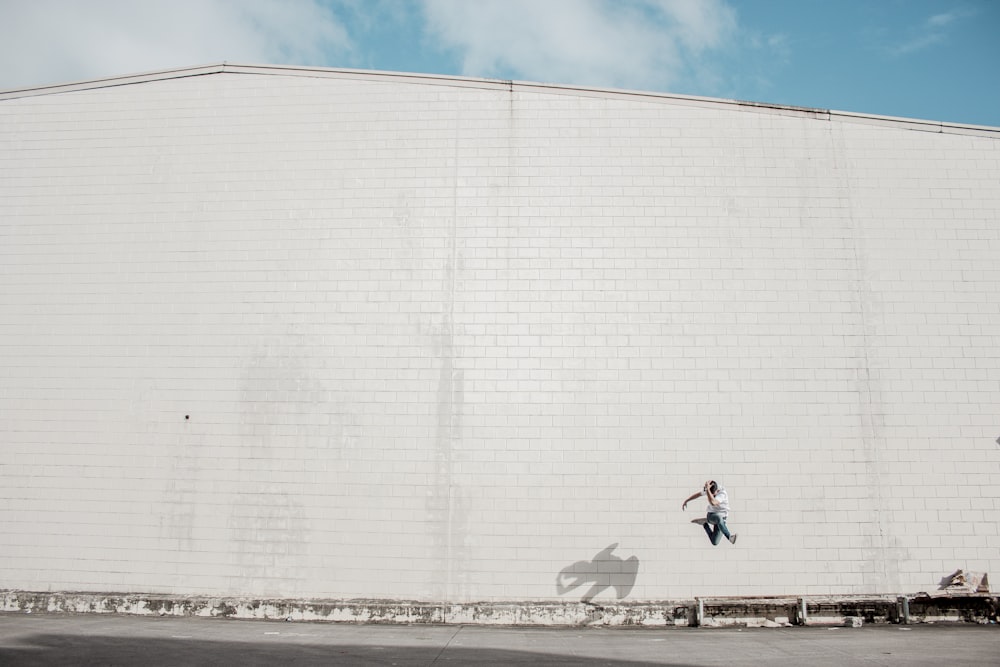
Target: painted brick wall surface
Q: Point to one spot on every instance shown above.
(342, 337)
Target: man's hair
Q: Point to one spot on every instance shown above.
(713, 487)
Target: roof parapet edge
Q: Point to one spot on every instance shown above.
(502, 84)
(108, 82)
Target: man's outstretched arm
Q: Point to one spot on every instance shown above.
(693, 496)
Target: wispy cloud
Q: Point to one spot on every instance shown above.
(54, 41)
(648, 44)
(933, 30)
(941, 20)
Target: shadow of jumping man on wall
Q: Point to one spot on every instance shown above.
(602, 572)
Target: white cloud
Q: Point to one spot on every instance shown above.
(941, 20)
(645, 44)
(934, 30)
(916, 43)
(56, 41)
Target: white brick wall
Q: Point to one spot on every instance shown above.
(347, 336)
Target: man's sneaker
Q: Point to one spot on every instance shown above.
(732, 539)
(702, 521)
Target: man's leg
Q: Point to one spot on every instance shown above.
(712, 528)
(724, 529)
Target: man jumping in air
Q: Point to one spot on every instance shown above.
(718, 509)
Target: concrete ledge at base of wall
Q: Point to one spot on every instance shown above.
(850, 611)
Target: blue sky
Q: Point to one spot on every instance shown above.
(929, 59)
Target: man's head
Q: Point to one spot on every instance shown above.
(713, 487)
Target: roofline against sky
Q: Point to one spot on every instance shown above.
(498, 84)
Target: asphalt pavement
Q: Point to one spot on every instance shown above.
(91, 639)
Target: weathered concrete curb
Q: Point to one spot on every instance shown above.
(851, 611)
(706, 612)
(349, 611)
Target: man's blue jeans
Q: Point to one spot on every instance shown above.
(715, 526)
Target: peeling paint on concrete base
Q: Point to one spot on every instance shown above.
(348, 611)
(716, 612)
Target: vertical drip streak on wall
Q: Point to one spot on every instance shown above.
(447, 411)
(870, 436)
(450, 377)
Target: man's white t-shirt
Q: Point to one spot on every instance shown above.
(723, 499)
